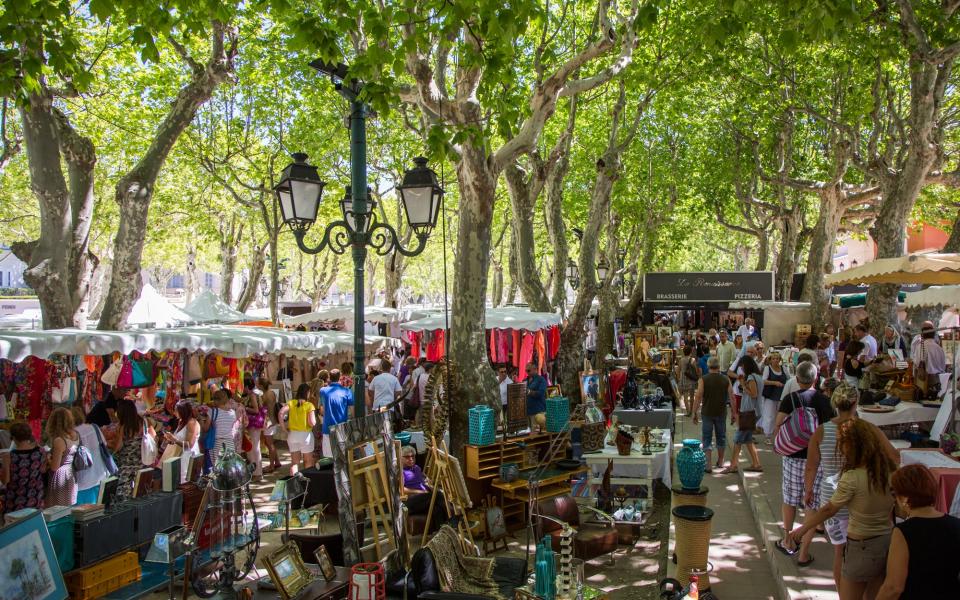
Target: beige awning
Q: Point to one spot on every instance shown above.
(939, 295)
(931, 269)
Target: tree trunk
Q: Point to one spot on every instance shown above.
(58, 264)
(468, 347)
(190, 284)
(789, 225)
(512, 267)
(229, 246)
(553, 213)
(134, 191)
(249, 293)
(901, 189)
(820, 260)
(523, 199)
(763, 251)
(497, 292)
(953, 242)
(394, 266)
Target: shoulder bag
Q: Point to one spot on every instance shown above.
(105, 454)
(148, 448)
(82, 459)
(795, 433)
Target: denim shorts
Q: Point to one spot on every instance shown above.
(708, 426)
(743, 436)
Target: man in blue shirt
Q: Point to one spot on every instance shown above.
(536, 395)
(336, 401)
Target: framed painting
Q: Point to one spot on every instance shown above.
(590, 386)
(325, 563)
(643, 341)
(287, 570)
(553, 391)
(515, 419)
(28, 563)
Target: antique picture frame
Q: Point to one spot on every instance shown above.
(590, 386)
(553, 391)
(641, 357)
(26, 547)
(287, 571)
(326, 564)
(515, 418)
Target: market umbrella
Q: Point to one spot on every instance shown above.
(938, 295)
(930, 269)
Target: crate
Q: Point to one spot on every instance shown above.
(483, 428)
(558, 414)
(61, 534)
(101, 589)
(96, 580)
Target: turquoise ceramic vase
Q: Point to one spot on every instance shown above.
(691, 461)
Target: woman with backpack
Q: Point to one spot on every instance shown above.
(88, 480)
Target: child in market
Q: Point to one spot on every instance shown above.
(22, 470)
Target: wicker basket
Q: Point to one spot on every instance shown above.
(692, 525)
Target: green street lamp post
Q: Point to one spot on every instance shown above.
(299, 192)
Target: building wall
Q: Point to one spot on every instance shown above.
(11, 269)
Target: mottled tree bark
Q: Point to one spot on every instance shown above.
(230, 234)
(249, 293)
(789, 225)
(820, 258)
(134, 191)
(524, 192)
(953, 242)
(59, 264)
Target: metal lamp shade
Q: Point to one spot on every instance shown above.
(299, 192)
(346, 207)
(421, 195)
(231, 472)
(602, 269)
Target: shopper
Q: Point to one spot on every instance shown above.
(22, 471)
(187, 436)
(924, 557)
(503, 380)
(301, 416)
(64, 441)
(892, 340)
(104, 412)
(726, 351)
(384, 389)
(221, 418)
(745, 415)
(688, 374)
(864, 489)
(853, 363)
(337, 401)
(418, 491)
(127, 447)
(88, 480)
(869, 351)
(271, 427)
(774, 378)
(714, 392)
(792, 485)
(346, 375)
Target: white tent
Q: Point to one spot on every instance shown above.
(209, 308)
(508, 317)
(938, 295)
(154, 310)
(371, 314)
(238, 342)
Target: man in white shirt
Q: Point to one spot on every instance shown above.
(726, 351)
(504, 380)
(747, 330)
(384, 387)
(869, 342)
(925, 348)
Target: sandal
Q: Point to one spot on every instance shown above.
(752, 469)
(805, 563)
(708, 470)
(729, 470)
(779, 546)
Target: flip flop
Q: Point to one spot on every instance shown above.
(728, 470)
(779, 545)
(805, 563)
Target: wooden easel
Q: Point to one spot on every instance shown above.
(441, 477)
(368, 479)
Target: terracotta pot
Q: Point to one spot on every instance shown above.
(624, 444)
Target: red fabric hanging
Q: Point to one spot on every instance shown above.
(618, 378)
(554, 335)
(541, 349)
(525, 355)
(516, 353)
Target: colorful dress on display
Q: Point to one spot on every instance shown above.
(25, 489)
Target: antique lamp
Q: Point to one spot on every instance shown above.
(421, 194)
(573, 274)
(603, 267)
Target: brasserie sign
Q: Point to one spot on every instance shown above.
(708, 287)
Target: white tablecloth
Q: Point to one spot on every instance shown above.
(905, 412)
(659, 465)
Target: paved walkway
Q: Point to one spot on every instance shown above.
(741, 569)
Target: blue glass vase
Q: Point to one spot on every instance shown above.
(691, 461)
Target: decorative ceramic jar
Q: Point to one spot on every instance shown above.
(691, 461)
(624, 443)
(509, 472)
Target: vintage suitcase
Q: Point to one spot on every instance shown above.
(104, 536)
(156, 512)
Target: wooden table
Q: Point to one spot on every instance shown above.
(318, 589)
(553, 482)
(636, 468)
(948, 476)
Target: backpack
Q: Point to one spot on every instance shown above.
(82, 459)
(690, 371)
(795, 433)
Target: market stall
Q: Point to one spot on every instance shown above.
(209, 308)
(515, 336)
(153, 310)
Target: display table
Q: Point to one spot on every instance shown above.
(905, 412)
(635, 469)
(945, 469)
(658, 418)
(318, 589)
(552, 482)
